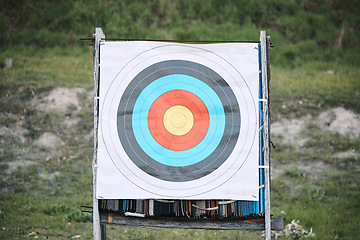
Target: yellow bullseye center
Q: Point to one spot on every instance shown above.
(178, 120)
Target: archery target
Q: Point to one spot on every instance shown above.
(177, 121)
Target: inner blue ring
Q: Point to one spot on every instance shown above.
(170, 157)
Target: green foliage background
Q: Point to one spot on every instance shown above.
(301, 29)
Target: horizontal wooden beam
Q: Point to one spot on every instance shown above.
(250, 224)
(170, 40)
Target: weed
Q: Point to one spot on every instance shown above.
(294, 230)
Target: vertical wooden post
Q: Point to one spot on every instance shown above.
(266, 130)
(96, 53)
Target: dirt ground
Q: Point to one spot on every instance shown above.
(66, 105)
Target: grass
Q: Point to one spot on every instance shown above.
(33, 206)
(43, 199)
(313, 87)
(322, 199)
(314, 68)
(44, 68)
(327, 205)
(305, 80)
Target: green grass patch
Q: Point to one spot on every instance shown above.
(329, 205)
(314, 87)
(44, 68)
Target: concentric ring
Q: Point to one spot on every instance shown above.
(157, 126)
(164, 155)
(151, 157)
(178, 120)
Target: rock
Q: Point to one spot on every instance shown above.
(13, 166)
(12, 135)
(49, 140)
(89, 137)
(71, 122)
(49, 176)
(341, 121)
(337, 120)
(347, 154)
(287, 131)
(59, 99)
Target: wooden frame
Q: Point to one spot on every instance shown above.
(246, 224)
(97, 228)
(265, 74)
(251, 224)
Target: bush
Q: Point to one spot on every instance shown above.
(303, 30)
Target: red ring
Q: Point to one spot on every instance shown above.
(162, 135)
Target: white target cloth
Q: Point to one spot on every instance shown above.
(178, 121)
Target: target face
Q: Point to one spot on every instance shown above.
(178, 121)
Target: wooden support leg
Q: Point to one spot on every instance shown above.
(103, 231)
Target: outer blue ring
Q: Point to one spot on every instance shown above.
(153, 148)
